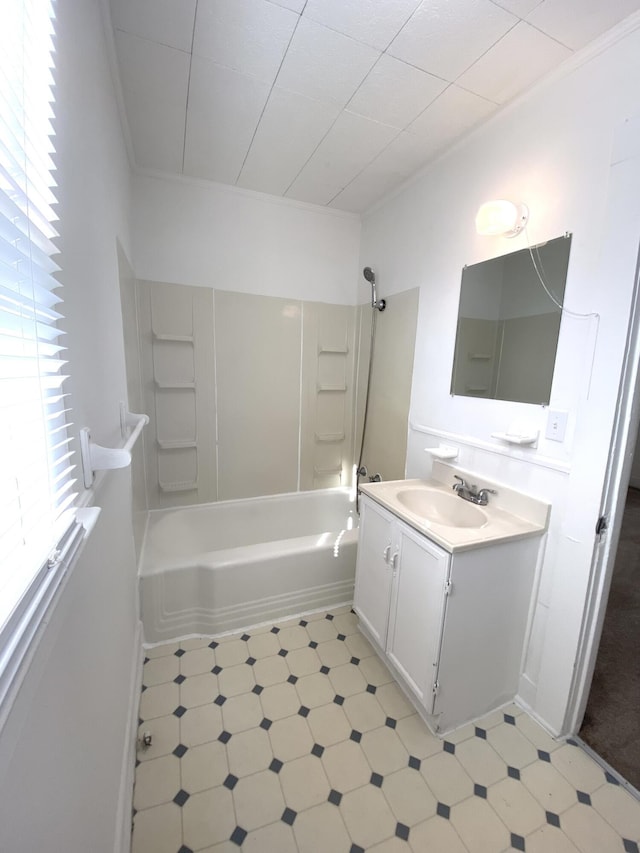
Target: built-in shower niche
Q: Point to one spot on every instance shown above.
(176, 337)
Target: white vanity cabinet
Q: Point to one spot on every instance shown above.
(451, 626)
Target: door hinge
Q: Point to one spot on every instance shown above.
(448, 586)
(602, 526)
(436, 688)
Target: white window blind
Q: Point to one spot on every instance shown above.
(36, 458)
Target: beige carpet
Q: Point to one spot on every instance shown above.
(612, 721)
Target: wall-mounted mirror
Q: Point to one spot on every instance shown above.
(508, 326)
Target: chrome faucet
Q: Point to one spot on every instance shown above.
(472, 493)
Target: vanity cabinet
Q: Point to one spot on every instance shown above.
(450, 626)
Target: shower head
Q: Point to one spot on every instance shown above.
(370, 276)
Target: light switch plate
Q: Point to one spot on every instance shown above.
(556, 425)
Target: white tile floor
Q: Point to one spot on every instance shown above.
(293, 738)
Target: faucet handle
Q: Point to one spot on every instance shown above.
(461, 485)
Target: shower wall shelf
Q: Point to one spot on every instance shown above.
(480, 356)
(336, 350)
(95, 457)
(521, 439)
(161, 385)
(444, 451)
(189, 486)
(180, 339)
(340, 388)
(329, 437)
(176, 444)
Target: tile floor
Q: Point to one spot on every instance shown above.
(293, 738)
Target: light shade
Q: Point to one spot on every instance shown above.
(501, 218)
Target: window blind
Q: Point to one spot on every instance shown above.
(36, 457)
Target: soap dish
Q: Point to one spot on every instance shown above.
(443, 451)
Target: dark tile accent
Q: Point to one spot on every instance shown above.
(224, 737)
(288, 816)
(371, 688)
(180, 750)
(250, 661)
(325, 670)
(480, 791)
(334, 797)
(544, 756)
(414, 763)
(377, 780)
(216, 670)
(390, 722)
(181, 797)
(185, 849)
(342, 637)
(245, 637)
(179, 679)
(355, 735)
(356, 849)
(220, 700)
(353, 611)
(179, 652)
(134, 812)
(509, 719)
(517, 841)
(213, 644)
(140, 721)
(629, 845)
(317, 750)
(610, 779)
(283, 653)
(179, 711)
(313, 644)
(553, 819)
(338, 699)
(257, 689)
(402, 831)
(449, 747)
(138, 762)
(443, 811)
(265, 724)
(146, 660)
(276, 765)
(303, 623)
(303, 711)
(230, 782)
(481, 733)
(572, 742)
(584, 798)
(143, 688)
(329, 616)
(292, 679)
(355, 661)
(238, 835)
(275, 630)
(513, 772)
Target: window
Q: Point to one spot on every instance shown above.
(37, 527)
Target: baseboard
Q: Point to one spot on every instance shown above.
(122, 843)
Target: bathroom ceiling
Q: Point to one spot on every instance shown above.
(333, 102)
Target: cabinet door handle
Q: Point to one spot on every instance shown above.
(385, 553)
(394, 561)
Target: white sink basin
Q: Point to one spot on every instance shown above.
(441, 508)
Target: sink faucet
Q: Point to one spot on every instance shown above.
(472, 493)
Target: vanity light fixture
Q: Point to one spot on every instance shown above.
(501, 218)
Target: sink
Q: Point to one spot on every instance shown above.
(441, 508)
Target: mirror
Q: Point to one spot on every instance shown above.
(508, 326)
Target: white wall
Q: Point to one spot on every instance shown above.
(552, 150)
(62, 748)
(190, 232)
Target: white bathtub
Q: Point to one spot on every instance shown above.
(227, 565)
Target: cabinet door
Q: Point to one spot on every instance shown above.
(373, 572)
(417, 611)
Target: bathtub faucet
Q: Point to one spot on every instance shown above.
(375, 479)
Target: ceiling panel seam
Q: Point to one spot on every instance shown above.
(186, 106)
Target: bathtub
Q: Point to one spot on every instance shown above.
(218, 567)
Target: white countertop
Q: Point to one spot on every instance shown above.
(500, 526)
